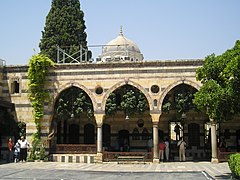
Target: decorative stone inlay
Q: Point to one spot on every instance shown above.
(155, 89)
(99, 90)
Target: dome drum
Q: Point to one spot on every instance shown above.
(121, 49)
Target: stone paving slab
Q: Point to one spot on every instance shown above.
(96, 175)
(171, 170)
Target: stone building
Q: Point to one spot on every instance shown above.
(101, 137)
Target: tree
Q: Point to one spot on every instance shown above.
(181, 101)
(65, 27)
(111, 104)
(129, 102)
(220, 93)
(73, 102)
(142, 104)
(128, 99)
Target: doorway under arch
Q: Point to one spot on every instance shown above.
(106, 131)
(89, 134)
(123, 136)
(74, 134)
(73, 108)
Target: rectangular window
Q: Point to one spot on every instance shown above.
(15, 85)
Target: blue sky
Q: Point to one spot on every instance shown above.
(163, 29)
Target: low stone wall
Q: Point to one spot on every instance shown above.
(73, 158)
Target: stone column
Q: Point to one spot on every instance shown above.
(99, 138)
(99, 122)
(214, 142)
(155, 120)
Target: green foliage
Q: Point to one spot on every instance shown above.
(39, 66)
(214, 100)
(74, 101)
(166, 107)
(183, 102)
(142, 104)
(22, 129)
(234, 165)
(111, 105)
(62, 108)
(65, 27)
(130, 100)
(220, 93)
(37, 151)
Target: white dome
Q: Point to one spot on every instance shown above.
(121, 43)
(121, 49)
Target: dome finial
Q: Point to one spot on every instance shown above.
(121, 31)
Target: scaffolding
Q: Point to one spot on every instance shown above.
(120, 53)
(2, 63)
(80, 56)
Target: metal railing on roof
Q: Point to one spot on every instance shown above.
(2, 63)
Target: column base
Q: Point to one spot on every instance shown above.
(214, 160)
(99, 158)
(155, 161)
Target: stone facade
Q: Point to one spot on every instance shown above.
(110, 76)
(165, 74)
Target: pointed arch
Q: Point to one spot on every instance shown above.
(171, 86)
(89, 93)
(128, 82)
(52, 124)
(67, 86)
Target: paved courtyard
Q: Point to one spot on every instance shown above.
(67, 171)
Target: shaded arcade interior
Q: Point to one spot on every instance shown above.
(129, 132)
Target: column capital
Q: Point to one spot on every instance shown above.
(99, 119)
(155, 117)
(212, 121)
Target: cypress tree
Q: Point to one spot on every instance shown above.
(64, 27)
